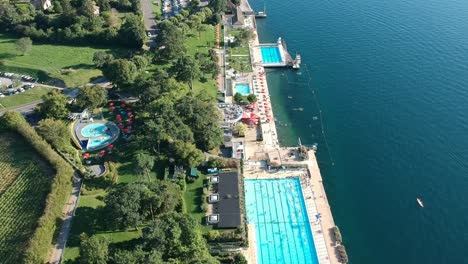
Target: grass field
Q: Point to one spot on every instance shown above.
(203, 43)
(70, 64)
(193, 201)
(24, 184)
(23, 98)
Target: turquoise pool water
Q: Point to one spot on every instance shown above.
(243, 88)
(97, 142)
(98, 136)
(277, 209)
(271, 55)
(94, 130)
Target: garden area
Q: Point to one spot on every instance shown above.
(238, 51)
(71, 65)
(24, 185)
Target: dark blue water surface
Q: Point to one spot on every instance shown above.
(387, 81)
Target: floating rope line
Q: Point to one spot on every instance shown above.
(317, 104)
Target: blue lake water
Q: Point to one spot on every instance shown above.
(277, 209)
(387, 81)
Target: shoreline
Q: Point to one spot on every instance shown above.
(312, 185)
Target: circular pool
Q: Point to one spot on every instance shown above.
(97, 135)
(94, 130)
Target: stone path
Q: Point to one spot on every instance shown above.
(68, 213)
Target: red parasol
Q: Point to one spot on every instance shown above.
(101, 153)
(129, 113)
(121, 126)
(118, 116)
(126, 130)
(111, 103)
(122, 105)
(129, 109)
(85, 155)
(110, 146)
(129, 122)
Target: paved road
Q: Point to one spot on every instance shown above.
(150, 22)
(23, 109)
(68, 212)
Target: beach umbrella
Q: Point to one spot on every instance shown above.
(126, 130)
(131, 116)
(110, 146)
(129, 113)
(129, 109)
(118, 116)
(122, 105)
(111, 104)
(121, 126)
(101, 153)
(85, 155)
(123, 113)
(129, 122)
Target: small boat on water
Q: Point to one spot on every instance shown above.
(420, 202)
(261, 14)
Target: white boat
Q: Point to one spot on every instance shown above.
(420, 202)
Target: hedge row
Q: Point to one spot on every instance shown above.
(39, 245)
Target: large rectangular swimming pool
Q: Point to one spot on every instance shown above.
(277, 209)
(271, 55)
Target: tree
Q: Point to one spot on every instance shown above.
(217, 5)
(87, 8)
(123, 206)
(238, 98)
(132, 32)
(171, 39)
(55, 132)
(54, 105)
(24, 45)
(186, 154)
(91, 97)
(245, 35)
(144, 163)
(94, 250)
(186, 70)
(178, 238)
(141, 62)
(251, 98)
(121, 72)
(240, 129)
(203, 119)
(101, 59)
(240, 259)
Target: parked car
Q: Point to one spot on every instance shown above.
(2, 95)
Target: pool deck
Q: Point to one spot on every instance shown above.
(311, 179)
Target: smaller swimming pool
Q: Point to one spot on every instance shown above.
(243, 88)
(97, 142)
(271, 55)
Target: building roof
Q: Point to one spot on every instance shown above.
(193, 172)
(228, 206)
(238, 18)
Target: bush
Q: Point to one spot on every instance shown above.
(38, 246)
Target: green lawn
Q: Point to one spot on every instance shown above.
(193, 200)
(203, 43)
(86, 214)
(71, 64)
(26, 97)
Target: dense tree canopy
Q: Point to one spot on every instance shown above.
(91, 97)
(121, 72)
(54, 105)
(56, 132)
(171, 40)
(132, 33)
(186, 69)
(94, 250)
(177, 237)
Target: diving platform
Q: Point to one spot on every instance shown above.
(277, 55)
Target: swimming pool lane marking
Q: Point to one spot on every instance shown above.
(272, 208)
(264, 223)
(287, 222)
